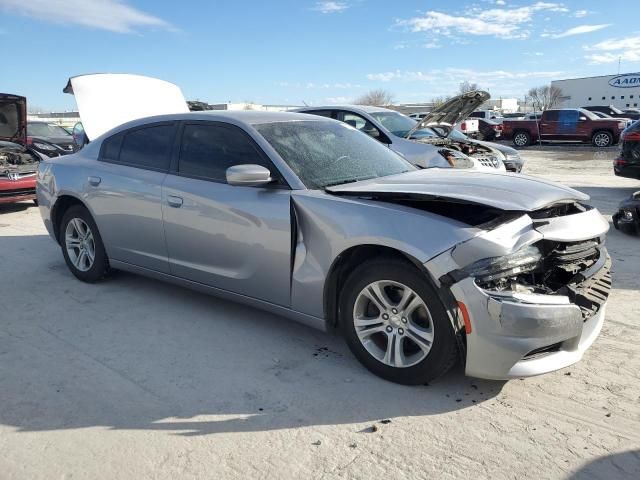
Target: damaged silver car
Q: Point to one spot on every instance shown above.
(309, 218)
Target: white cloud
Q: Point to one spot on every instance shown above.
(614, 49)
(111, 15)
(500, 2)
(453, 75)
(432, 44)
(580, 13)
(330, 7)
(497, 22)
(579, 30)
(319, 86)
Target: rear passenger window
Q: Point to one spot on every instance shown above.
(148, 147)
(551, 116)
(111, 148)
(208, 150)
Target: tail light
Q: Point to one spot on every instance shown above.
(463, 126)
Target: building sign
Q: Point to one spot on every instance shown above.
(629, 80)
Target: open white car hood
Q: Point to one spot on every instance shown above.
(107, 100)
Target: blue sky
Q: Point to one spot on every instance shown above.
(286, 51)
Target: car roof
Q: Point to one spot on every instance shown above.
(356, 108)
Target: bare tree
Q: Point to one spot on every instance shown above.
(378, 98)
(545, 97)
(437, 101)
(467, 87)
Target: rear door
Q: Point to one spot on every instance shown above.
(235, 238)
(549, 125)
(124, 191)
(567, 126)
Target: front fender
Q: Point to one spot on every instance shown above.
(327, 226)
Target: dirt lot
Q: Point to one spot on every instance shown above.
(133, 378)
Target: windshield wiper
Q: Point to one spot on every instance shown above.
(350, 180)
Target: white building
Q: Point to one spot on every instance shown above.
(621, 91)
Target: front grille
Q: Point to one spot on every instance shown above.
(488, 161)
(18, 192)
(592, 292)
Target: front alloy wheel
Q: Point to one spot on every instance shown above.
(395, 323)
(602, 139)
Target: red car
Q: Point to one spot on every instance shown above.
(565, 125)
(18, 162)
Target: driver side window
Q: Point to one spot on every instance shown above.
(359, 123)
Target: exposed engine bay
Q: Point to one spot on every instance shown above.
(453, 148)
(16, 160)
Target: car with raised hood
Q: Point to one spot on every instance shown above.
(407, 137)
(52, 140)
(312, 219)
(18, 159)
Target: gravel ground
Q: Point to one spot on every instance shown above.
(133, 378)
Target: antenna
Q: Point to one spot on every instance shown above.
(619, 60)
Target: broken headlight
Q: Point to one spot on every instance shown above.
(44, 146)
(488, 269)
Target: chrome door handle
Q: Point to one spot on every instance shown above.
(95, 181)
(173, 201)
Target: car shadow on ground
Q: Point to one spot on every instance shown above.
(15, 207)
(625, 465)
(132, 353)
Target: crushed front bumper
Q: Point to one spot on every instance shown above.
(526, 335)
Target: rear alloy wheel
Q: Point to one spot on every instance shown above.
(521, 139)
(602, 139)
(82, 246)
(395, 323)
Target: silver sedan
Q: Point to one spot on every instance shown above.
(311, 219)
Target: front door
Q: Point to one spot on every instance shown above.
(235, 238)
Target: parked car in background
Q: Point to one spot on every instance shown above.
(627, 218)
(18, 160)
(50, 139)
(308, 218)
(514, 115)
(614, 112)
(404, 135)
(489, 130)
(628, 162)
(487, 115)
(628, 121)
(566, 125)
(387, 126)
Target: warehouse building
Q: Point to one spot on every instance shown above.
(622, 91)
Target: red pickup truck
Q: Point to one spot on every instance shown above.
(566, 125)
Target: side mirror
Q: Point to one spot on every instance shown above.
(583, 119)
(248, 175)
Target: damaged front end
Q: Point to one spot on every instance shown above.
(535, 289)
(18, 168)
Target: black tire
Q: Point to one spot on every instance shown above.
(521, 138)
(598, 139)
(443, 353)
(100, 266)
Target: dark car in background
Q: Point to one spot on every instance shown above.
(627, 218)
(49, 139)
(614, 111)
(628, 162)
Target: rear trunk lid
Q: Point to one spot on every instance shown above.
(107, 100)
(13, 118)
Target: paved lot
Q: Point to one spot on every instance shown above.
(133, 378)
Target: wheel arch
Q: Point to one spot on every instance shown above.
(347, 261)
(62, 204)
